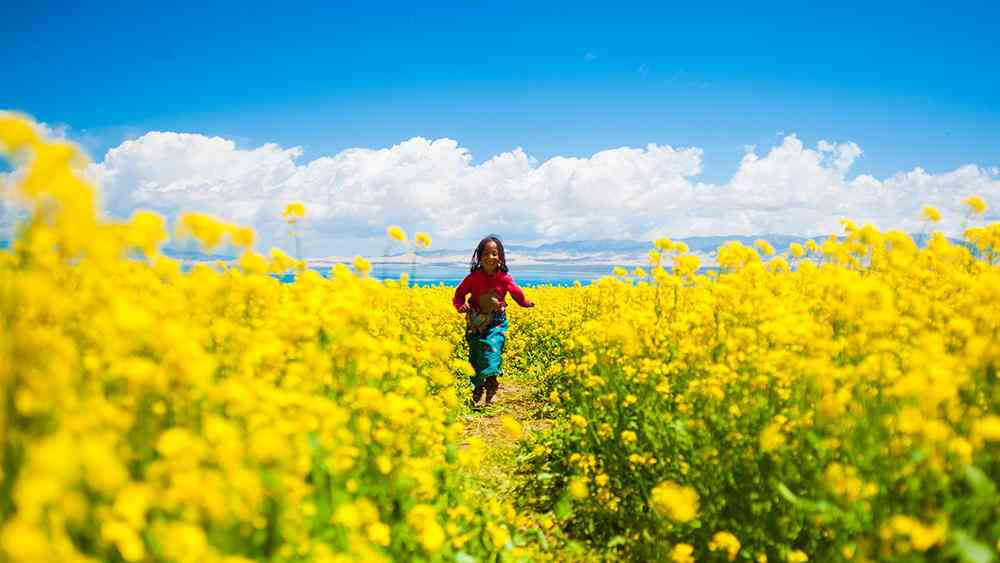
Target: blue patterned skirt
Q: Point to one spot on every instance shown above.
(486, 346)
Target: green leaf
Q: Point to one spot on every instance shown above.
(617, 540)
(981, 484)
(969, 549)
(564, 508)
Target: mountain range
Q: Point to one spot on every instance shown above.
(604, 251)
(598, 252)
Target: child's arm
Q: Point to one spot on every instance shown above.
(463, 289)
(518, 294)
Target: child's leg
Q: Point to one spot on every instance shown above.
(491, 388)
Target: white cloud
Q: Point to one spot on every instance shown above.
(434, 186)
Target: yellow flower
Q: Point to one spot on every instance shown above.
(243, 237)
(726, 542)
(764, 246)
(619, 271)
(362, 266)
(931, 214)
(206, 229)
(422, 240)
(379, 533)
(293, 212)
(772, 437)
(921, 536)
(512, 426)
(423, 518)
(24, 541)
(498, 534)
(797, 250)
(578, 488)
(797, 556)
(628, 437)
(578, 421)
(396, 233)
(682, 553)
(147, 232)
(976, 204)
(674, 501)
(432, 537)
(986, 429)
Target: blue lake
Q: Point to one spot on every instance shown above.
(562, 275)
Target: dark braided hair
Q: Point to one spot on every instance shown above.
(478, 254)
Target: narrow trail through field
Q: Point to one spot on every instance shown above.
(498, 473)
(499, 462)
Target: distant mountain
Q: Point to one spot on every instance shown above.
(582, 252)
(603, 251)
(703, 244)
(194, 255)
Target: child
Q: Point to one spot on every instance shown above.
(486, 318)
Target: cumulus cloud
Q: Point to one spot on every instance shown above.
(433, 185)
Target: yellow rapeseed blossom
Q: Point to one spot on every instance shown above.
(512, 426)
(976, 204)
(931, 214)
(771, 437)
(764, 246)
(986, 429)
(726, 543)
(422, 240)
(396, 233)
(682, 553)
(379, 534)
(294, 211)
(920, 536)
(673, 501)
(362, 266)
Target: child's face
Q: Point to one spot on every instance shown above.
(490, 258)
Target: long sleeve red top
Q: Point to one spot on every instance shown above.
(478, 283)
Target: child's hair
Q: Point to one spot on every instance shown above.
(478, 254)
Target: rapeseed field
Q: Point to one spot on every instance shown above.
(836, 402)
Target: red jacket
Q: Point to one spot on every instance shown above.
(478, 283)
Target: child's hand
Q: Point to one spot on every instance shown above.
(464, 308)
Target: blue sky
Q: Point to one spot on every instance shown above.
(914, 85)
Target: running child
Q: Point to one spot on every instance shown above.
(488, 283)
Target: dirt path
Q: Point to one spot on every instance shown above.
(498, 467)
